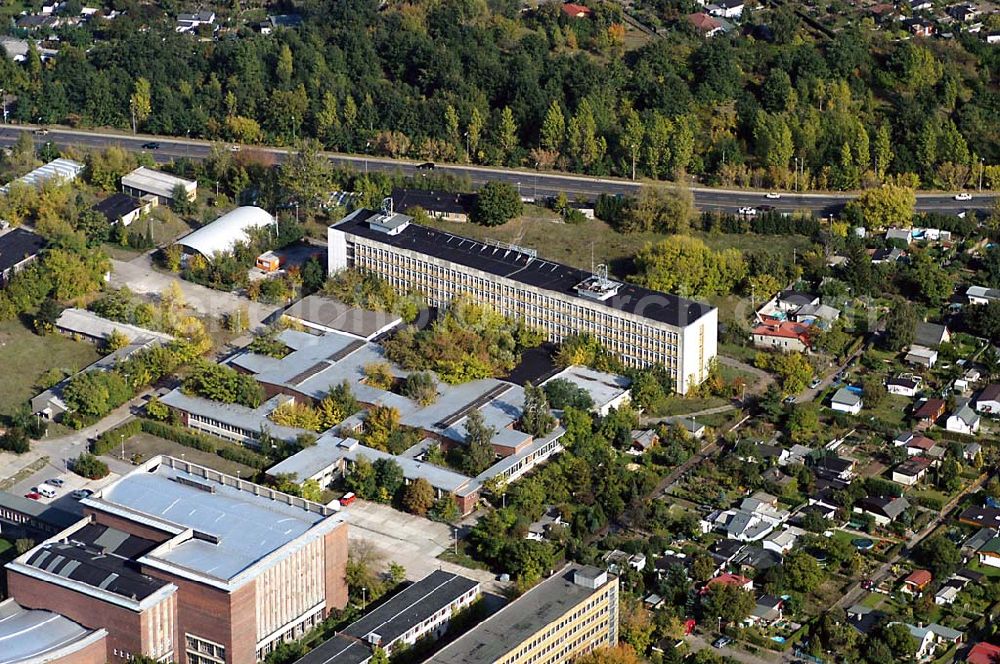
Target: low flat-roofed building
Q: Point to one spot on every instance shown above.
(607, 390)
(125, 208)
(23, 517)
(570, 613)
(421, 610)
(338, 650)
(146, 181)
(231, 421)
(444, 205)
(83, 323)
(325, 314)
(43, 637)
(60, 170)
(18, 249)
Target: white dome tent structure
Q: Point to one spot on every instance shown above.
(226, 232)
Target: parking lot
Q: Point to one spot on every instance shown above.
(412, 541)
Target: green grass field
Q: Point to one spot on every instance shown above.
(25, 356)
(147, 446)
(574, 244)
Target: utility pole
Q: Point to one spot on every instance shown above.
(131, 106)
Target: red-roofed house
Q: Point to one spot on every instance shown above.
(782, 335)
(708, 26)
(576, 11)
(727, 579)
(928, 412)
(916, 581)
(983, 653)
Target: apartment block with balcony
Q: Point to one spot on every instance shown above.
(643, 327)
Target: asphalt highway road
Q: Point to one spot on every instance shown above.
(532, 184)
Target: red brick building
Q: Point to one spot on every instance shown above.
(186, 564)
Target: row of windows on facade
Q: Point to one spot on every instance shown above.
(291, 634)
(418, 269)
(568, 620)
(583, 632)
(635, 347)
(441, 615)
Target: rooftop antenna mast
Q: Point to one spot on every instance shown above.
(386, 206)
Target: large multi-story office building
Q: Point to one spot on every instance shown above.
(184, 564)
(565, 616)
(641, 326)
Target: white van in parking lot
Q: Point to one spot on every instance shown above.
(47, 491)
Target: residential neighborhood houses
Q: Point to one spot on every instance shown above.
(259, 408)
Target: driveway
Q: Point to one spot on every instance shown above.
(139, 275)
(412, 541)
(697, 642)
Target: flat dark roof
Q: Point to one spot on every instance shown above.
(99, 557)
(496, 636)
(523, 268)
(337, 650)
(412, 606)
(116, 206)
(18, 244)
(433, 201)
(53, 516)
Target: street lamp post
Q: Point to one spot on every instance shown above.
(122, 436)
(468, 156)
(982, 161)
(796, 174)
(364, 598)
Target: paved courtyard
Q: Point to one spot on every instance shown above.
(411, 541)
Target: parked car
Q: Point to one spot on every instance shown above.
(45, 490)
(964, 196)
(721, 642)
(152, 145)
(234, 148)
(55, 481)
(814, 383)
(80, 494)
(34, 495)
(347, 499)
(772, 195)
(790, 399)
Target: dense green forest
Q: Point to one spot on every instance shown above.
(446, 79)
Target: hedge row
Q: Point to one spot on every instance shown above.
(205, 443)
(112, 438)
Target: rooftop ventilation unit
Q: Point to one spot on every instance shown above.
(599, 286)
(195, 484)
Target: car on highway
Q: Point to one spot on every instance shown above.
(55, 481)
(964, 196)
(721, 642)
(772, 195)
(426, 166)
(80, 494)
(748, 211)
(152, 145)
(34, 495)
(41, 131)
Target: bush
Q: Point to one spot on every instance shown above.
(112, 438)
(205, 443)
(89, 466)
